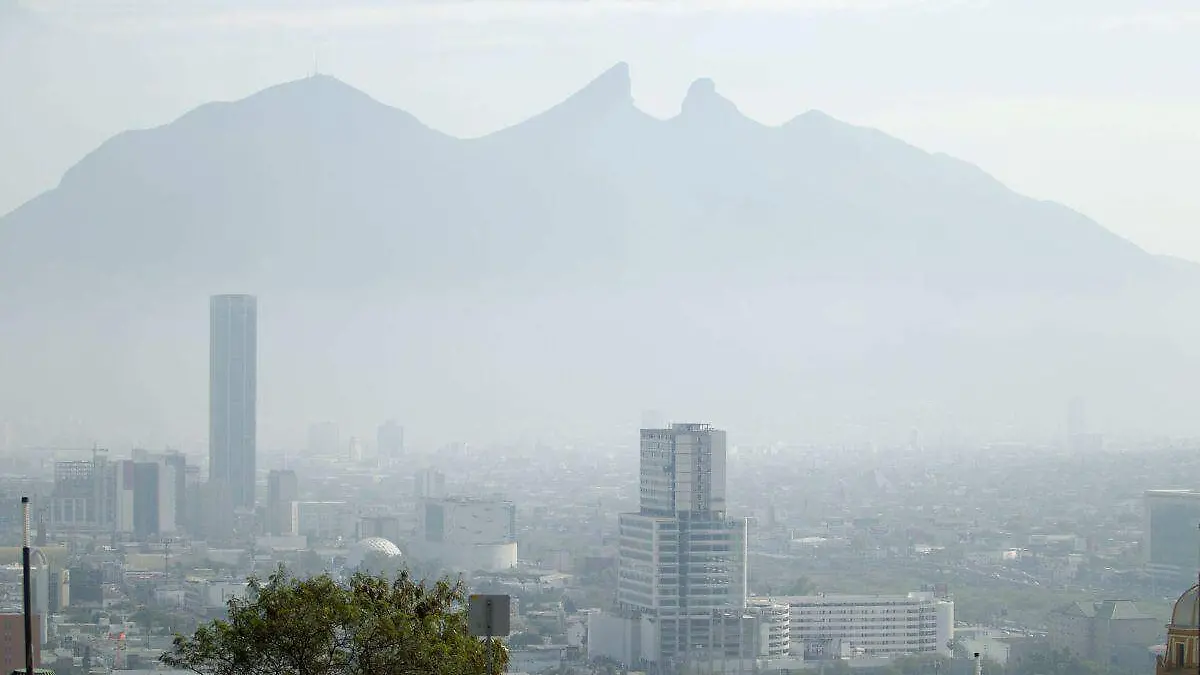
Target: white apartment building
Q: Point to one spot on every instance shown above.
(869, 625)
(209, 594)
(323, 520)
(467, 534)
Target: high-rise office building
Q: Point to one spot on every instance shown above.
(83, 498)
(147, 493)
(681, 560)
(1170, 543)
(177, 463)
(233, 386)
(389, 440)
(175, 470)
(145, 498)
(282, 491)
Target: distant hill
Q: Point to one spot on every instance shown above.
(814, 279)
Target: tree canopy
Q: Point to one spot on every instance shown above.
(375, 625)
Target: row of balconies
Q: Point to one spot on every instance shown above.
(905, 638)
(853, 620)
(842, 630)
(857, 609)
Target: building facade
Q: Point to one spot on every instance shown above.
(322, 521)
(429, 484)
(389, 440)
(1110, 631)
(145, 499)
(83, 497)
(283, 489)
(177, 474)
(837, 626)
(233, 393)
(468, 534)
(681, 561)
(1171, 537)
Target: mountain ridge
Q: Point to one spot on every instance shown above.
(547, 273)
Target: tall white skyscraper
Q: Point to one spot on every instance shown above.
(682, 561)
(233, 391)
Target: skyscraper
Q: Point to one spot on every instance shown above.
(233, 386)
(389, 440)
(681, 560)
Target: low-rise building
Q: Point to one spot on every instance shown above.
(203, 595)
(468, 534)
(1109, 631)
(869, 625)
(323, 520)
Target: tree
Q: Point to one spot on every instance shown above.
(926, 664)
(1051, 661)
(801, 586)
(957, 647)
(316, 626)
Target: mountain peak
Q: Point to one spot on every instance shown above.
(611, 92)
(317, 99)
(317, 88)
(703, 100)
(612, 87)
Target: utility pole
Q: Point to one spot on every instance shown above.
(28, 600)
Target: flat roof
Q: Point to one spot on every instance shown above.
(1193, 494)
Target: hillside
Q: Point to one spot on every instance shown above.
(814, 278)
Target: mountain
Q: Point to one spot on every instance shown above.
(811, 280)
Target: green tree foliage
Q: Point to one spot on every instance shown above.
(801, 586)
(925, 664)
(1049, 661)
(372, 625)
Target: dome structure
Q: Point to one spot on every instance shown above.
(373, 554)
(1186, 613)
(1182, 653)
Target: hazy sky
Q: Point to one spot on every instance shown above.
(1090, 102)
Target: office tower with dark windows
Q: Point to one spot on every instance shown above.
(233, 385)
(1169, 533)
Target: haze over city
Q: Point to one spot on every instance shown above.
(1049, 122)
(762, 336)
